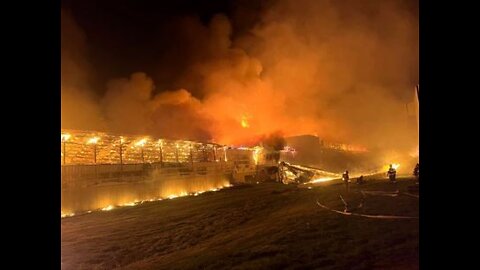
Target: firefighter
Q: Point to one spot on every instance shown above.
(392, 173)
(346, 179)
(360, 180)
(416, 172)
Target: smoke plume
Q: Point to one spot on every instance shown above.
(344, 70)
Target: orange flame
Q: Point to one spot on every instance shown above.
(244, 122)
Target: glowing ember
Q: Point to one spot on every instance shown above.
(129, 204)
(93, 140)
(108, 208)
(136, 202)
(290, 175)
(182, 194)
(67, 214)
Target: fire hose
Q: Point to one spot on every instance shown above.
(380, 193)
(363, 215)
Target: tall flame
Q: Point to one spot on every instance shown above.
(256, 154)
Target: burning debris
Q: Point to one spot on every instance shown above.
(304, 175)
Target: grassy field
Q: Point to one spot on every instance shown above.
(264, 226)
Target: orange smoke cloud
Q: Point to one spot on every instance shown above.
(79, 107)
(343, 71)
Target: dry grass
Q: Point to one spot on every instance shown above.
(266, 226)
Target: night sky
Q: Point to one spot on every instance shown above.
(129, 36)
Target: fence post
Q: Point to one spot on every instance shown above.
(64, 151)
(191, 156)
(176, 154)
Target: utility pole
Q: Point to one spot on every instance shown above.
(417, 89)
(65, 138)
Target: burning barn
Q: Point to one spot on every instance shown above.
(103, 169)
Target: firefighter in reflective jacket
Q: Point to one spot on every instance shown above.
(392, 173)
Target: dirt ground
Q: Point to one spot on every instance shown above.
(259, 226)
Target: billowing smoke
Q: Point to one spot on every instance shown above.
(80, 108)
(274, 141)
(344, 70)
(130, 107)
